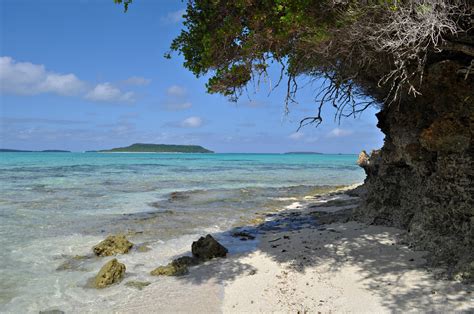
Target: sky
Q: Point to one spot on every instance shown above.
(83, 75)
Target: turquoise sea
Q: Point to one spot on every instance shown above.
(54, 206)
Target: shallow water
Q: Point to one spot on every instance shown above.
(57, 205)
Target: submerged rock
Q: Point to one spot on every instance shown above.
(143, 248)
(51, 312)
(112, 272)
(137, 284)
(112, 245)
(75, 263)
(178, 196)
(208, 248)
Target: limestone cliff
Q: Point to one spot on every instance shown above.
(422, 178)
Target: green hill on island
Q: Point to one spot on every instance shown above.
(157, 148)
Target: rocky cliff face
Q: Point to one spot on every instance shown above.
(422, 178)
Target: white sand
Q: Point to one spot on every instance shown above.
(348, 267)
(355, 269)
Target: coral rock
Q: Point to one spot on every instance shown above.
(112, 245)
(112, 272)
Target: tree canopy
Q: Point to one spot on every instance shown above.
(376, 48)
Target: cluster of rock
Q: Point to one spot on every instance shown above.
(113, 271)
(204, 249)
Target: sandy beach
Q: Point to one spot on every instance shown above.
(304, 267)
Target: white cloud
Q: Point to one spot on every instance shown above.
(25, 78)
(337, 132)
(296, 136)
(137, 81)
(176, 91)
(109, 93)
(191, 122)
(174, 17)
(66, 85)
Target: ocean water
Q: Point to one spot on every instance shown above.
(54, 206)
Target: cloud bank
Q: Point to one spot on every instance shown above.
(26, 78)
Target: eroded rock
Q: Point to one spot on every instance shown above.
(446, 134)
(113, 245)
(363, 160)
(421, 180)
(112, 272)
(207, 248)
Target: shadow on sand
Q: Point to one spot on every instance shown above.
(296, 239)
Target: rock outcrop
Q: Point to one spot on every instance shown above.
(363, 159)
(207, 248)
(204, 249)
(112, 272)
(113, 245)
(422, 178)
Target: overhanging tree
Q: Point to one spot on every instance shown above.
(360, 47)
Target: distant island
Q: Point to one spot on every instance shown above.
(157, 148)
(6, 150)
(303, 153)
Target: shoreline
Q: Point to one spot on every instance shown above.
(306, 257)
(298, 265)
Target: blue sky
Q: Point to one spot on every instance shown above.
(82, 75)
